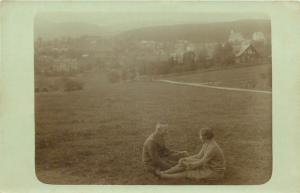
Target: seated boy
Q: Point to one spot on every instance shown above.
(156, 156)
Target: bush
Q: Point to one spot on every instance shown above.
(72, 85)
(113, 76)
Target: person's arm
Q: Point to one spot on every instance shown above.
(168, 151)
(156, 157)
(196, 156)
(190, 159)
(200, 154)
(174, 153)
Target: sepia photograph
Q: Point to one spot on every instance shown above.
(153, 98)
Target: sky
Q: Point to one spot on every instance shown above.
(129, 20)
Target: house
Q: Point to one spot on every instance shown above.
(246, 53)
(259, 37)
(235, 37)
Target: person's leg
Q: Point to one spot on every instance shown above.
(216, 176)
(173, 176)
(168, 163)
(175, 169)
(173, 158)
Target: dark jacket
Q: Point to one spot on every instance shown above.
(154, 150)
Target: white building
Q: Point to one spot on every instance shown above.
(235, 37)
(258, 37)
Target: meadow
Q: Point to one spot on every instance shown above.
(95, 136)
(252, 77)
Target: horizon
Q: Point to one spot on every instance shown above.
(115, 22)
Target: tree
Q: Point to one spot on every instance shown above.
(163, 67)
(201, 60)
(189, 60)
(113, 76)
(224, 54)
(229, 57)
(218, 55)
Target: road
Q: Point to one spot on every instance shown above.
(214, 87)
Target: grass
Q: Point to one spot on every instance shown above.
(255, 77)
(95, 136)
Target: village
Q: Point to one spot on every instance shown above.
(126, 61)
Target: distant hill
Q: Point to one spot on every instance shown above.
(51, 30)
(205, 32)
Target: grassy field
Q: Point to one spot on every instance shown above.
(95, 136)
(253, 77)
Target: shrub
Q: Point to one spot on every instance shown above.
(72, 85)
(113, 76)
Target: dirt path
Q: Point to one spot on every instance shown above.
(214, 87)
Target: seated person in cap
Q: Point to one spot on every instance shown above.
(209, 163)
(156, 156)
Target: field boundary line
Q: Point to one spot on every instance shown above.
(214, 87)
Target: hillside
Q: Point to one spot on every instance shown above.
(95, 136)
(51, 30)
(205, 32)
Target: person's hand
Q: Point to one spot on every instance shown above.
(182, 161)
(184, 153)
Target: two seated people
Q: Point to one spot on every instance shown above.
(208, 164)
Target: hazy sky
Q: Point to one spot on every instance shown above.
(129, 20)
